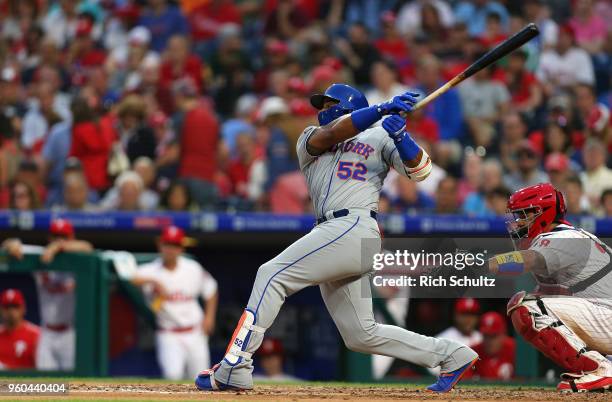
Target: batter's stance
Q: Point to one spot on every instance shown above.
(345, 161)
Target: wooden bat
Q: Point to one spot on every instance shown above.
(517, 40)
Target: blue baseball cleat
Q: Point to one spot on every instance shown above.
(447, 381)
(205, 381)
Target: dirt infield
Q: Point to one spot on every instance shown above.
(92, 391)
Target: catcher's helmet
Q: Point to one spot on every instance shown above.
(533, 210)
(349, 99)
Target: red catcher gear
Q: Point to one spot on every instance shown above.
(546, 203)
(550, 342)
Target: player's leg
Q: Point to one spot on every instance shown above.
(330, 251)
(65, 347)
(198, 353)
(170, 355)
(44, 352)
(536, 320)
(349, 302)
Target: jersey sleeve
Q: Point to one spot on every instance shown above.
(209, 285)
(561, 253)
(391, 156)
(304, 157)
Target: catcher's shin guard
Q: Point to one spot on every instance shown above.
(238, 347)
(553, 339)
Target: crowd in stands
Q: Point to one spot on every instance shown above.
(197, 104)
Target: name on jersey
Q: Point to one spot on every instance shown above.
(354, 146)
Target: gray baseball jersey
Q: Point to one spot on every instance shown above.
(573, 256)
(350, 174)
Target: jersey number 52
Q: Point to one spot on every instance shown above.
(350, 170)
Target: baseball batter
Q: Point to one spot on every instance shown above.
(345, 161)
(174, 283)
(569, 316)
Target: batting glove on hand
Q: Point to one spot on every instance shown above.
(395, 125)
(400, 103)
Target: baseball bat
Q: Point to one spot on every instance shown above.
(517, 40)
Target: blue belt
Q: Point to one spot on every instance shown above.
(342, 212)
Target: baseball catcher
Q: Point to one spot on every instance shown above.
(569, 315)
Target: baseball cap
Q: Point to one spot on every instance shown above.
(139, 36)
(467, 306)
(556, 161)
(12, 297)
(271, 106)
(83, 27)
(271, 346)
(598, 118)
(61, 227)
(175, 236)
(492, 323)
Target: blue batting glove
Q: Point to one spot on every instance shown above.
(400, 103)
(395, 125)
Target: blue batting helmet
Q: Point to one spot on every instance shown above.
(349, 99)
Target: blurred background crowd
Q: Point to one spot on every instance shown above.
(197, 104)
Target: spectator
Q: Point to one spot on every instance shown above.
(513, 134)
(391, 44)
(407, 198)
(525, 91)
(179, 64)
(386, 85)
(83, 52)
(432, 30)
(590, 28)
(60, 23)
(476, 203)
(163, 21)
(167, 149)
(174, 283)
(472, 175)
(247, 172)
(271, 357)
(447, 109)
(474, 14)
(576, 201)
(537, 11)
(484, 101)
(286, 20)
(358, 52)
(565, 65)
(208, 20)
(557, 166)
(128, 194)
(75, 194)
(145, 168)
(56, 296)
(91, 142)
(494, 33)
(23, 197)
(198, 144)
(497, 200)
(447, 201)
(177, 198)
(18, 337)
(409, 17)
(54, 154)
(240, 123)
(135, 137)
(528, 172)
(594, 116)
(597, 176)
(497, 350)
(606, 203)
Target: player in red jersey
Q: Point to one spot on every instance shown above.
(18, 337)
(497, 349)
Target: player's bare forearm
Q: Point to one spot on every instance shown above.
(517, 262)
(212, 302)
(77, 246)
(333, 133)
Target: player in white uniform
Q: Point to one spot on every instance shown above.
(173, 284)
(345, 161)
(569, 316)
(56, 297)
